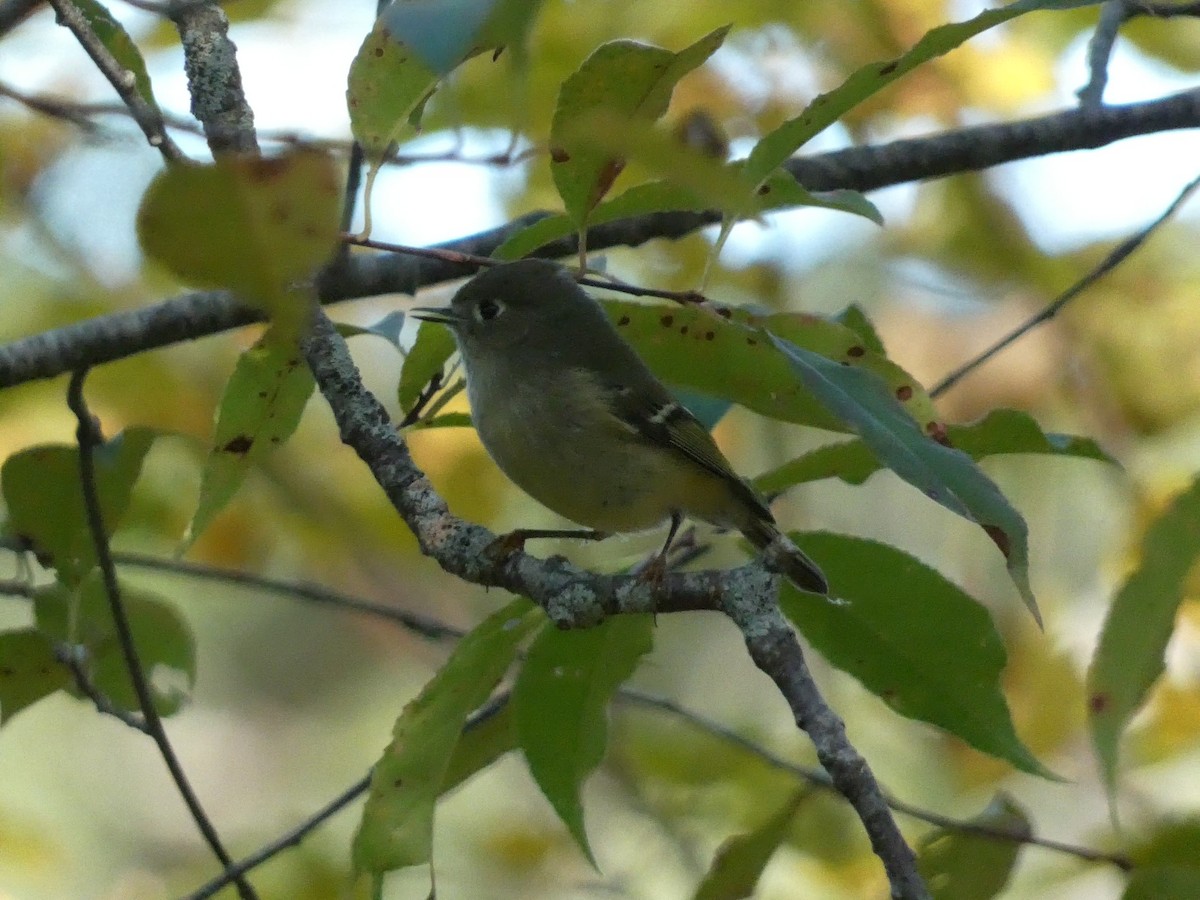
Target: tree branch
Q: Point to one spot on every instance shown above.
(194, 315)
(146, 114)
(214, 79)
(88, 437)
(575, 598)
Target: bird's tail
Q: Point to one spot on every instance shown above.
(784, 557)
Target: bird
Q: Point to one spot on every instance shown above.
(575, 418)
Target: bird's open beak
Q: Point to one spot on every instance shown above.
(443, 314)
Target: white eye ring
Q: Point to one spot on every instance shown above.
(488, 309)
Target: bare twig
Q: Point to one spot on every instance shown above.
(88, 437)
(458, 258)
(1113, 15)
(818, 778)
(297, 834)
(426, 627)
(14, 12)
(1114, 258)
(70, 656)
(292, 838)
(146, 114)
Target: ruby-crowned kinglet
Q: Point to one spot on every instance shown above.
(573, 416)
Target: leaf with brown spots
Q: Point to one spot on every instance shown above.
(621, 79)
(866, 405)
(259, 411)
(29, 670)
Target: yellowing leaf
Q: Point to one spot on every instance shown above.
(257, 227)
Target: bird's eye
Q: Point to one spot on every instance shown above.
(489, 309)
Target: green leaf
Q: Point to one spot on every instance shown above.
(387, 84)
(480, 746)
(912, 638)
(774, 149)
(623, 79)
(254, 226)
(740, 861)
(560, 702)
(112, 35)
(1175, 883)
(397, 821)
(433, 345)
(948, 476)
(720, 351)
(782, 191)
(45, 501)
(260, 409)
(29, 670)
(1003, 431)
(655, 196)
(958, 865)
(164, 640)
(1170, 843)
(1129, 657)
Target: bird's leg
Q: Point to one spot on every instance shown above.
(515, 540)
(656, 568)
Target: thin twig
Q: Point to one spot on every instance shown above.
(292, 838)
(88, 437)
(422, 625)
(820, 779)
(296, 835)
(458, 258)
(1114, 258)
(147, 115)
(70, 656)
(1113, 15)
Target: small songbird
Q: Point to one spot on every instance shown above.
(572, 415)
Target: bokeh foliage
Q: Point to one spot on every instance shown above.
(283, 687)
